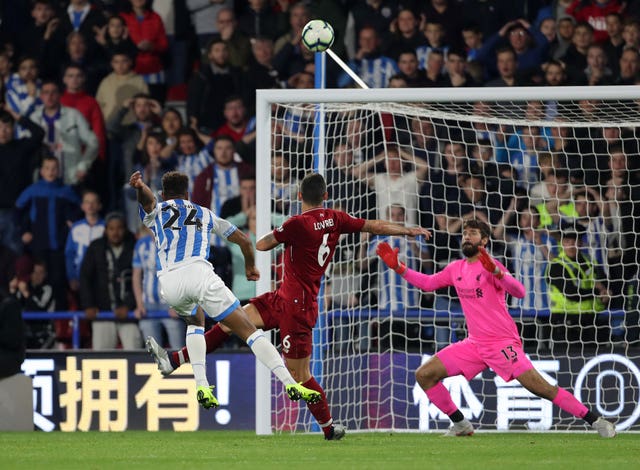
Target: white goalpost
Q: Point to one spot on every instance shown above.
(544, 166)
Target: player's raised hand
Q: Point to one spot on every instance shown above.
(488, 263)
(390, 257)
(136, 180)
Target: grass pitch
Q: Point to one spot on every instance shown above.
(234, 449)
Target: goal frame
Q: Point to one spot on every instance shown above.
(266, 98)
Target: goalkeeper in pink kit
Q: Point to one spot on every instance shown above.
(482, 284)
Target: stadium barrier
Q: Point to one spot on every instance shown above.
(613, 316)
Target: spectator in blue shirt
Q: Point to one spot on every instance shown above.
(47, 208)
(81, 234)
(147, 294)
(372, 67)
(529, 44)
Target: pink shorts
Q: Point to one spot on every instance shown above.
(469, 358)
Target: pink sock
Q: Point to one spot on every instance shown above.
(439, 396)
(567, 402)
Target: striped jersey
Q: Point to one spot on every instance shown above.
(423, 52)
(145, 257)
(530, 268)
(192, 165)
(226, 186)
(375, 72)
(81, 234)
(181, 229)
(393, 292)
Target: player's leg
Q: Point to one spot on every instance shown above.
(429, 376)
(301, 372)
(536, 384)
(214, 338)
(240, 324)
(455, 359)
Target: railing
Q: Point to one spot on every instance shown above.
(75, 317)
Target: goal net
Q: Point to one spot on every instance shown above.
(554, 173)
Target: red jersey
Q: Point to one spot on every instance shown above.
(310, 240)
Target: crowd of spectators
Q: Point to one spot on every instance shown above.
(95, 89)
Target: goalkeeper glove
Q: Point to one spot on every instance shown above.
(489, 264)
(390, 257)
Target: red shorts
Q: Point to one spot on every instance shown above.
(295, 320)
(469, 358)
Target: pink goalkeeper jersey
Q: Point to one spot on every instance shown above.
(482, 296)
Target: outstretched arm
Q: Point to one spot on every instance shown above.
(425, 282)
(246, 247)
(143, 192)
(503, 278)
(267, 242)
(384, 227)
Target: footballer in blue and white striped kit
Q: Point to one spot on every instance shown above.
(187, 280)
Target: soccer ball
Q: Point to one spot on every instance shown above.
(317, 35)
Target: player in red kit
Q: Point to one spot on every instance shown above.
(309, 240)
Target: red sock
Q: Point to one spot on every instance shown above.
(214, 337)
(320, 410)
(440, 396)
(567, 402)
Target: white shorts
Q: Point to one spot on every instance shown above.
(195, 284)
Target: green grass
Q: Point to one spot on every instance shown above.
(231, 449)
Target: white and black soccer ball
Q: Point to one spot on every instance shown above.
(317, 35)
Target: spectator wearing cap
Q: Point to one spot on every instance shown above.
(575, 293)
(105, 285)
